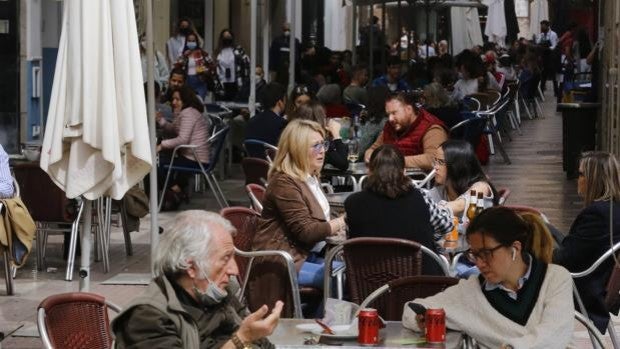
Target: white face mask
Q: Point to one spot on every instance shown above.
(287, 32)
(212, 295)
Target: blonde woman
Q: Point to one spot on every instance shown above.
(589, 235)
(296, 214)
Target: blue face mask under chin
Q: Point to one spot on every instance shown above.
(213, 294)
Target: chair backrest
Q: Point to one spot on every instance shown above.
(46, 202)
(373, 262)
(527, 209)
(470, 130)
(257, 148)
(255, 170)
(486, 100)
(244, 220)
(256, 192)
(399, 291)
(216, 142)
(75, 320)
(503, 193)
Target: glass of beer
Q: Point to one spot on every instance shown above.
(353, 150)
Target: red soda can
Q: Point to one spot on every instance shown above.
(368, 326)
(435, 323)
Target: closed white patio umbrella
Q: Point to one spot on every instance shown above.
(539, 11)
(495, 28)
(96, 139)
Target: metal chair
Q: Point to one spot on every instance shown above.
(527, 209)
(503, 193)
(244, 220)
(216, 143)
(470, 130)
(612, 290)
(256, 148)
(372, 262)
(256, 170)
(49, 214)
(75, 320)
(256, 193)
(399, 291)
(594, 334)
(492, 131)
(10, 270)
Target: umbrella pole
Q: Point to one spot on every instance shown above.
(85, 241)
(150, 90)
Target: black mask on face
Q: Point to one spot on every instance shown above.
(227, 42)
(185, 31)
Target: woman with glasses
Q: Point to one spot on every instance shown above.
(458, 172)
(337, 151)
(519, 300)
(296, 216)
(390, 206)
(589, 235)
(299, 96)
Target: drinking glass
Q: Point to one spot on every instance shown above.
(353, 150)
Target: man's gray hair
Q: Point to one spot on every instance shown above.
(188, 239)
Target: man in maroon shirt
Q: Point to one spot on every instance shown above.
(415, 132)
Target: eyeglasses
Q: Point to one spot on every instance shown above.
(581, 174)
(320, 146)
(439, 162)
(484, 254)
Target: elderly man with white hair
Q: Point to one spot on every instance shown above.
(191, 303)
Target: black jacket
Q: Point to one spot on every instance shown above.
(586, 241)
(267, 127)
(406, 217)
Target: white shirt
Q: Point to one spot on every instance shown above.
(463, 88)
(315, 187)
(550, 36)
(226, 60)
(175, 48)
(422, 51)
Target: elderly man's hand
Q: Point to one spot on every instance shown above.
(256, 326)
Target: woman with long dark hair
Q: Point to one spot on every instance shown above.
(458, 172)
(589, 235)
(390, 206)
(190, 128)
(233, 65)
(519, 300)
(300, 95)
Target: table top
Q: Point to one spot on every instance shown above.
(394, 335)
(359, 169)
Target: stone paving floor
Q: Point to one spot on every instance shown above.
(535, 178)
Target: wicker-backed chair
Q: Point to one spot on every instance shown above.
(397, 292)
(75, 320)
(372, 262)
(47, 205)
(255, 170)
(281, 268)
(256, 193)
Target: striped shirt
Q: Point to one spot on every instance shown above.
(441, 217)
(191, 129)
(6, 180)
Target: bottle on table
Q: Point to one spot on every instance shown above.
(471, 209)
